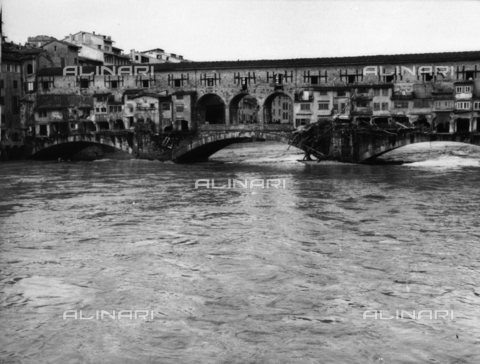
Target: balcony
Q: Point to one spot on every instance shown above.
(402, 95)
(363, 97)
(464, 96)
(304, 96)
(358, 111)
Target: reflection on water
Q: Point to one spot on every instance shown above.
(240, 275)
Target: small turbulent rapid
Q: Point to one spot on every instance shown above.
(127, 262)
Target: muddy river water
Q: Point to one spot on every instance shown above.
(127, 262)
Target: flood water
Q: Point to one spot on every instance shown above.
(334, 268)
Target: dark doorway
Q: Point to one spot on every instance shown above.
(443, 127)
(211, 110)
(463, 125)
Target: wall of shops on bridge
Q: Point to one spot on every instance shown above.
(444, 95)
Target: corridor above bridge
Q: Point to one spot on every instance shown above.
(438, 90)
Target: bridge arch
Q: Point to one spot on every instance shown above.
(210, 109)
(391, 143)
(89, 147)
(278, 108)
(244, 109)
(203, 147)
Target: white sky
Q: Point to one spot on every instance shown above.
(212, 30)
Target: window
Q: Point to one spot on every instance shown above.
(323, 105)
(15, 84)
(104, 109)
(145, 83)
(443, 104)
(476, 105)
(166, 106)
(341, 93)
(46, 82)
(323, 93)
(463, 105)
(152, 106)
(42, 113)
(2, 101)
(55, 48)
(177, 83)
(362, 104)
(99, 46)
(29, 69)
(427, 76)
(305, 107)
(97, 109)
(107, 48)
(75, 60)
(380, 92)
(15, 105)
(362, 90)
(335, 108)
(401, 105)
(389, 78)
(30, 86)
(2, 85)
(84, 83)
(384, 106)
(463, 89)
(469, 75)
(376, 106)
(314, 80)
(421, 103)
(114, 84)
(179, 107)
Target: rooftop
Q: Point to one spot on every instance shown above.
(62, 42)
(318, 62)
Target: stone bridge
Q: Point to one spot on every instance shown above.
(367, 147)
(88, 145)
(209, 139)
(362, 148)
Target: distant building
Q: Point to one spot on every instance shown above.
(156, 55)
(39, 40)
(282, 112)
(19, 65)
(62, 53)
(97, 49)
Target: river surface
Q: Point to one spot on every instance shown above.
(342, 263)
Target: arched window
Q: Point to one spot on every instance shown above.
(29, 69)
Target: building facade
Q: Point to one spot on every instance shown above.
(436, 91)
(97, 49)
(154, 56)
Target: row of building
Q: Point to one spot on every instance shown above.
(20, 66)
(44, 96)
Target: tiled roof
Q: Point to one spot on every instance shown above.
(319, 62)
(331, 61)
